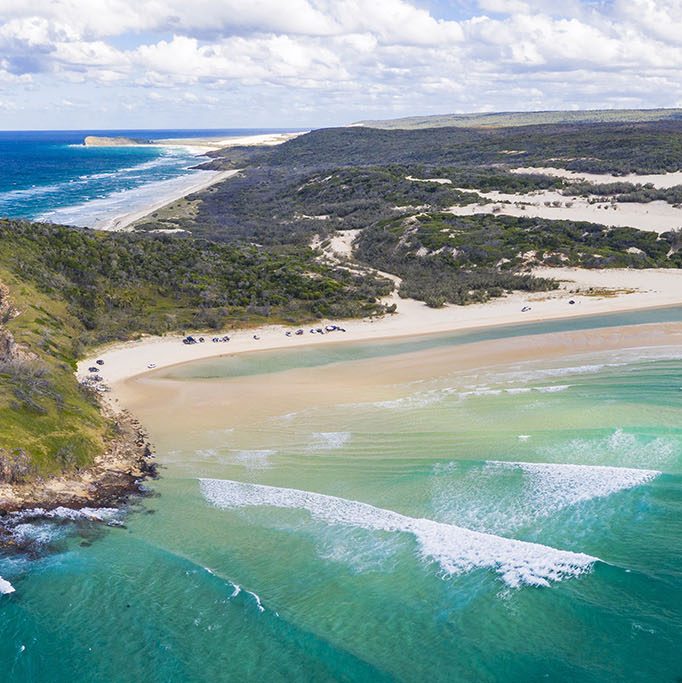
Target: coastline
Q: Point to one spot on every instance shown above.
(622, 291)
(110, 481)
(197, 180)
(125, 221)
(118, 474)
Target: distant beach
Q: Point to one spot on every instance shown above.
(51, 176)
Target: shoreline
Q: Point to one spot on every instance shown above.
(198, 147)
(637, 290)
(118, 473)
(111, 480)
(125, 221)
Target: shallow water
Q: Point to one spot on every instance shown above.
(51, 176)
(518, 522)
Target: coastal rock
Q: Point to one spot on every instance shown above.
(98, 141)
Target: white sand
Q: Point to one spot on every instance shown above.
(440, 181)
(659, 180)
(126, 220)
(655, 216)
(203, 145)
(652, 288)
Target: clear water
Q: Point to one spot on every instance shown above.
(51, 176)
(516, 524)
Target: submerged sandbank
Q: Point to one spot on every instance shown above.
(197, 405)
(593, 292)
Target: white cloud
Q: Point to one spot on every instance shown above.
(328, 58)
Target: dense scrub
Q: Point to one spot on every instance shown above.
(620, 148)
(626, 192)
(462, 259)
(73, 288)
(119, 284)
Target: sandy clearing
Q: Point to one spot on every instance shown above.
(659, 180)
(655, 216)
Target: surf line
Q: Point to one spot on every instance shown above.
(455, 549)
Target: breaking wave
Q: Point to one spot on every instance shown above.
(323, 441)
(457, 550)
(517, 494)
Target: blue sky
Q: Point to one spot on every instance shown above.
(299, 63)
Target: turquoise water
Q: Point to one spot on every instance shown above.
(51, 176)
(521, 523)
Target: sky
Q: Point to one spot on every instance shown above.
(74, 64)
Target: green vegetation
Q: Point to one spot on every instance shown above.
(48, 422)
(530, 118)
(626, 192)
(76, 288)
(244, 254)
(462, 259)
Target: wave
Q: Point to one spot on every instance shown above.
(500, 496)
(100, 211)
(37, 529)
(6, 587)
(457, 550)
(237, 590)
(108, 515)
(555, 486)
(619, 449)
(254, 460)
(323, 441)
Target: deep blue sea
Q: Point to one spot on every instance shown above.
(52, 176)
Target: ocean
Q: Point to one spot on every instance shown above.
(515, 521)
(51, 176)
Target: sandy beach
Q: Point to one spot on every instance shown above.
(199, 406)
(195, 183)
(593, 291)
(208, 144)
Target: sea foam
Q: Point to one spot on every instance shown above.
(551, 487)
(455, 549)
(329, 440)
(500, 496)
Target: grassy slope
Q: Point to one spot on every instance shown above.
(76, 288)
(68, 429)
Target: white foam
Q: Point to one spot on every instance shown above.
(455, 549)
(6, 587)
(254, 460)
(553, 389)
(256, 597)
(100, 212)
(619, 449)
(550, 487)
(323, 441)
(501, 497)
